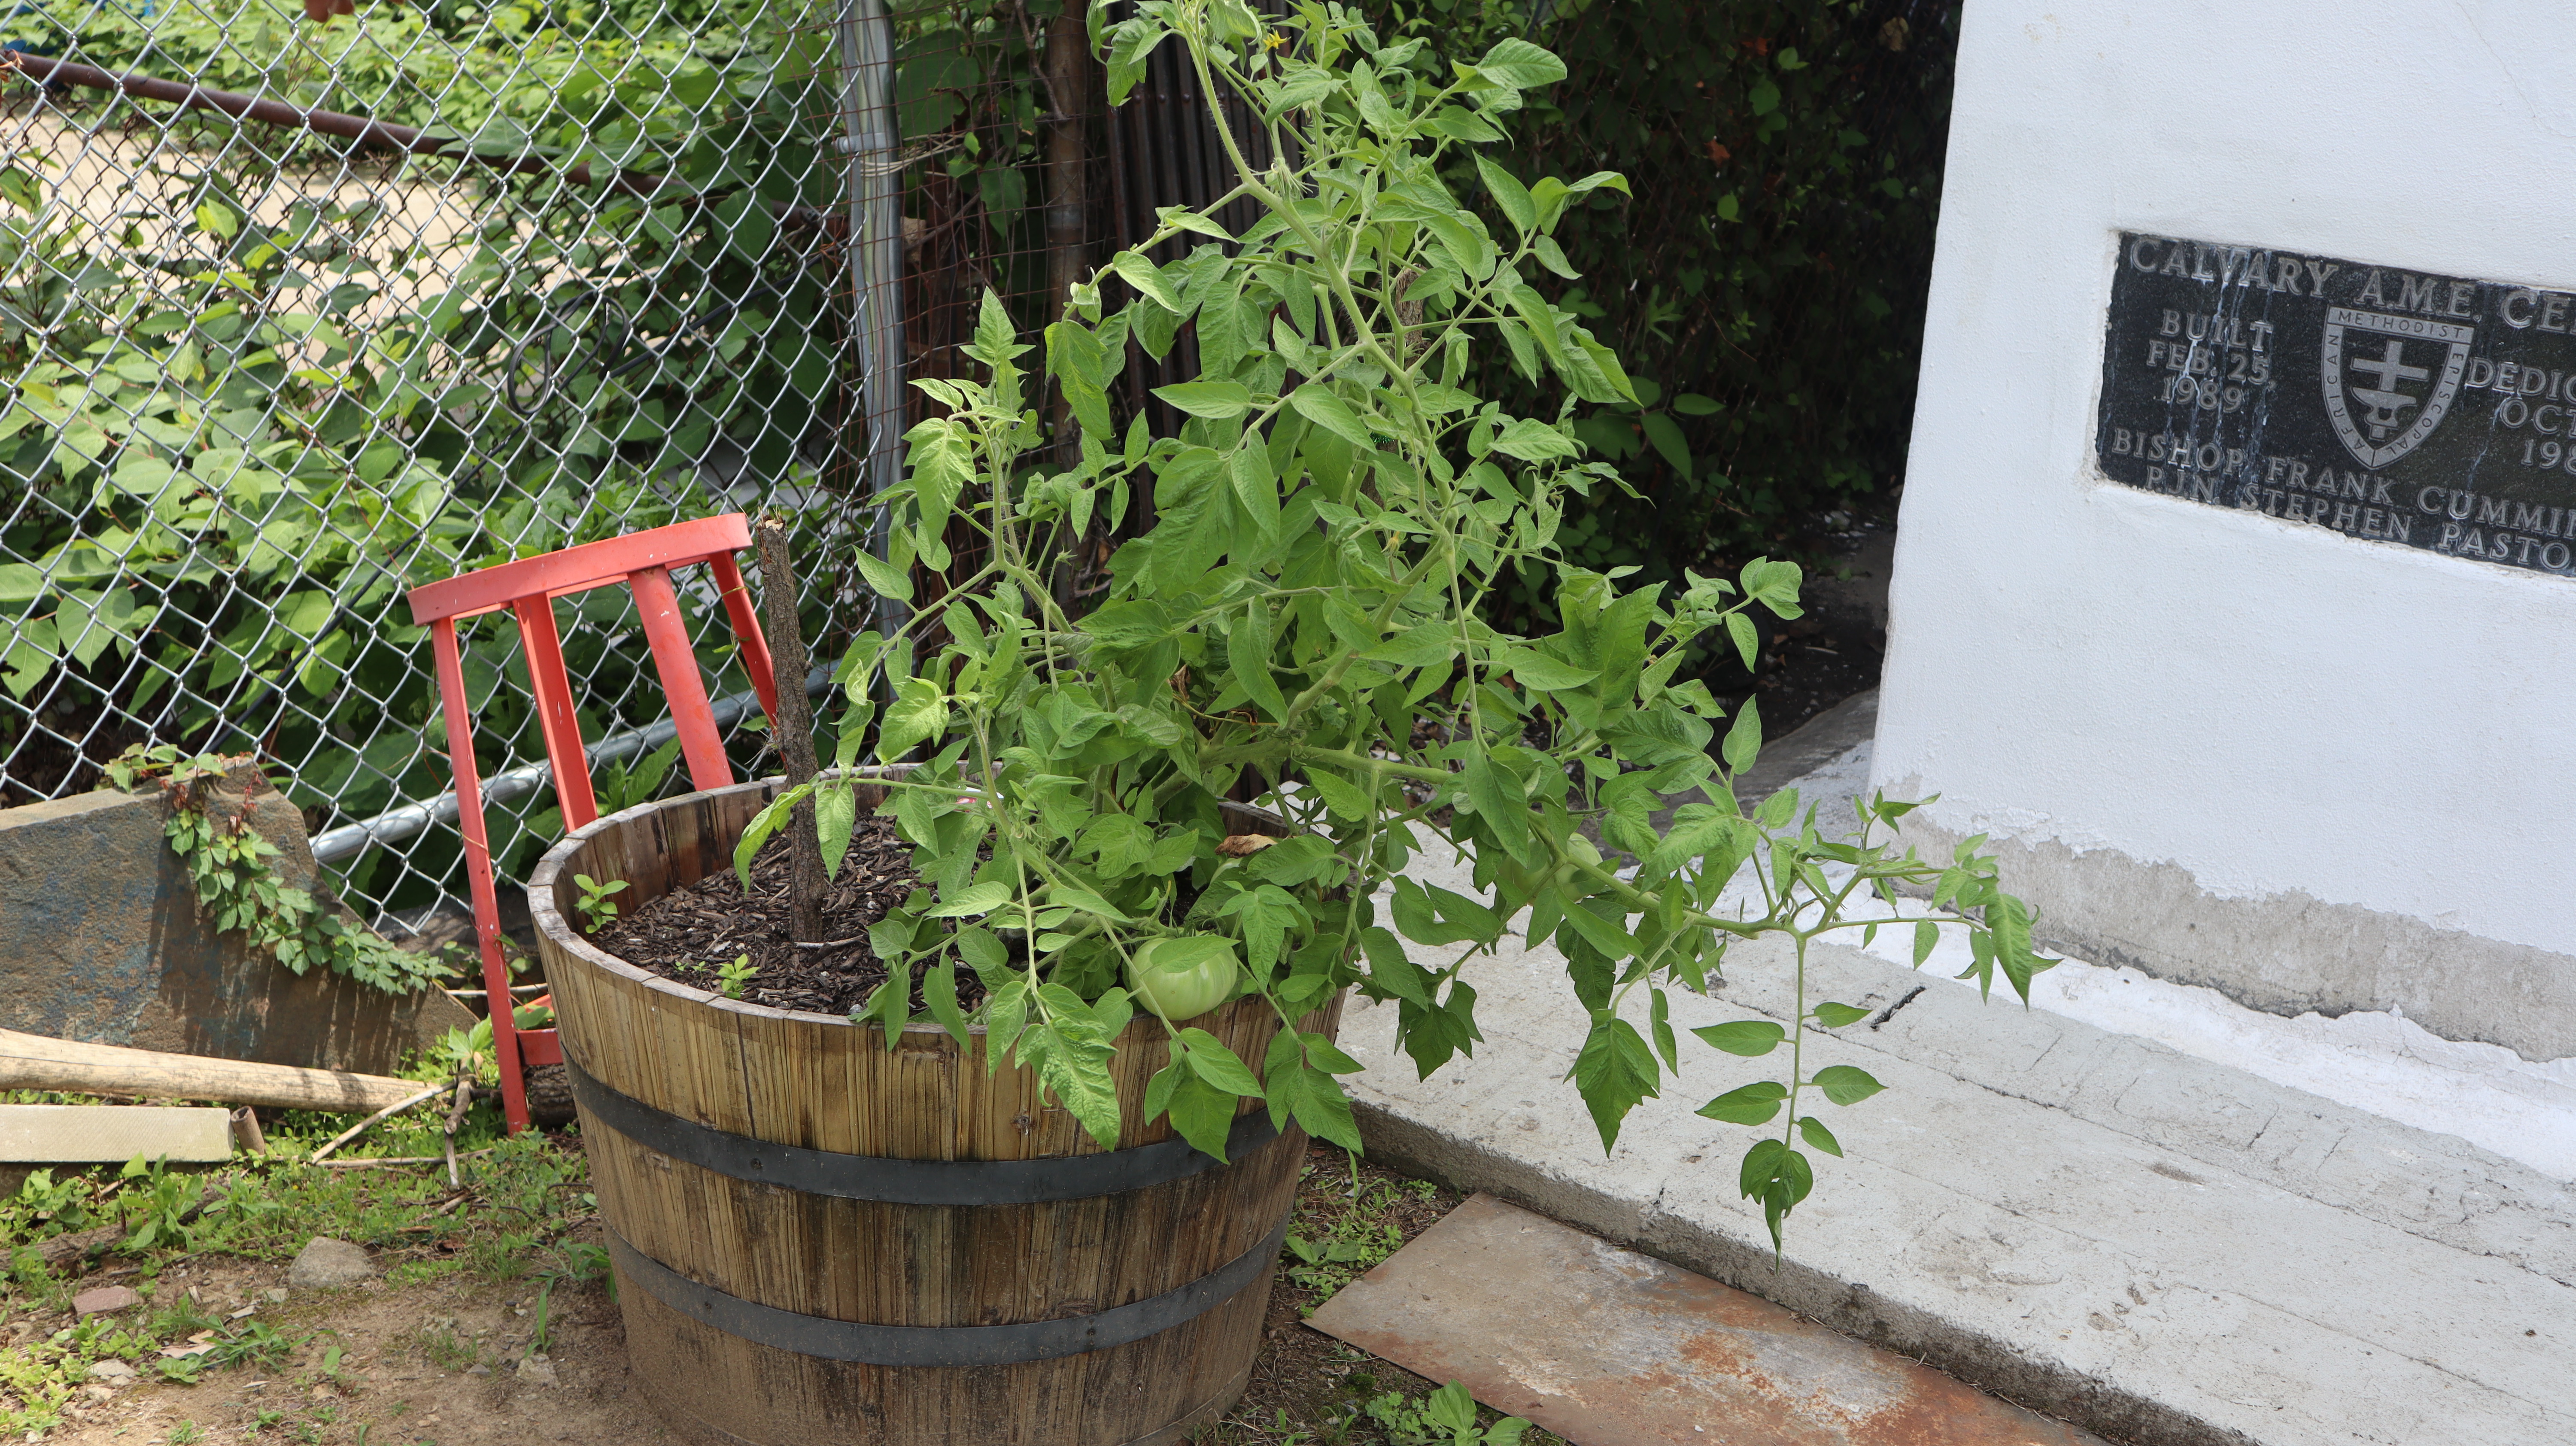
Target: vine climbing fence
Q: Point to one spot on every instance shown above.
(302, 305)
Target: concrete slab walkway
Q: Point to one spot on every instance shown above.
(2160, 1248)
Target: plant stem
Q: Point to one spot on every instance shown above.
(793, 727)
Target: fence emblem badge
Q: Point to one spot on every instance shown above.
(2389, 380)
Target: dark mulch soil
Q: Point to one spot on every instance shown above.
(688, 933)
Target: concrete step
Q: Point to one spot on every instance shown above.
(2158, 1247)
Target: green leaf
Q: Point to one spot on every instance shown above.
(1141, 274)
(1316, 403)
(763, 824)
(1748, 641)
(1743, 740)
(1256, 488)
(1201, 1113)
(1666, 436)
(1520, 65)
(974, 902)
(1615, 1072)
(920, 713)
(1845, 1085)
(1927, 937)
(882, 576)
(1533, 441)
(1751, 1038)
(1343, 797)
(1247, 650)
(1545, 674)
(1835, 1016)
(1425, 645)
(1754, 1104)
(1308, 1095)
(1500, 799)
(1217, 400)
(1075, 896)
(1818, 1137)
(836, 814)
(1211, 1060)
(939, 991)
(1509, 194)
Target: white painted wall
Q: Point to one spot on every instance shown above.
(2268, 705)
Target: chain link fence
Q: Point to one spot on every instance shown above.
(302, 305)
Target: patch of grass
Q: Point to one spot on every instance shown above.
(181, 1318)
(441, 1346)
(1355, 1241)
(501, 1259)
(517, 1203)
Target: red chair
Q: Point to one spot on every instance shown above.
(643, 561)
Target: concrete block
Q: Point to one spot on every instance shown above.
(113, 1134)
(2163, 1249)
(101, 942)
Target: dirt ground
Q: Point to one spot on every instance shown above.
(454, 1360)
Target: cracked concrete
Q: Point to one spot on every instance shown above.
(2160, 1248)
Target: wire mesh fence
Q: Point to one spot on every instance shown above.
(300, 307)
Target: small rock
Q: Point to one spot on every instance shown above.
(278, 1292)
(105, 1299)
(537, 1370)
(325, 1264)
(115, 1373)
(478, 1369)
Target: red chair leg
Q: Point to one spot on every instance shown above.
(746, 631)
(659, 606)
(453, 703)
(555, 715)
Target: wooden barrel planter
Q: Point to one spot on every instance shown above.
(818, 1239)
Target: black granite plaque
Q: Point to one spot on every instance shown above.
(2375, 401)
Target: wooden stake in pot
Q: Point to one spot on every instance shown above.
(795, 726)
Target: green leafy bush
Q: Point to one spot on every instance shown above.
(1772, 290)
(1304, 621)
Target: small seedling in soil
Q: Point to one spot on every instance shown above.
(732, 977)
(540, 1340)
(251, 1343)
(1447, 1417)
(187, 1433)
(596, 909)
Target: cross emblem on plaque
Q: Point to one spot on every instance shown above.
(2385, 400)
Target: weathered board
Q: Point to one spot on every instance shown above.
(2378, 402)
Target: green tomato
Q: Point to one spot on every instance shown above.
(1184, 978)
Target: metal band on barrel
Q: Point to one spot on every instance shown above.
(999, 1345)
(905, 1182)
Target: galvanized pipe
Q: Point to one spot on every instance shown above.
(347, 841)
(188, 95)
(865, 35)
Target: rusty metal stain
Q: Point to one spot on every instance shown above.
(1607, 1347)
